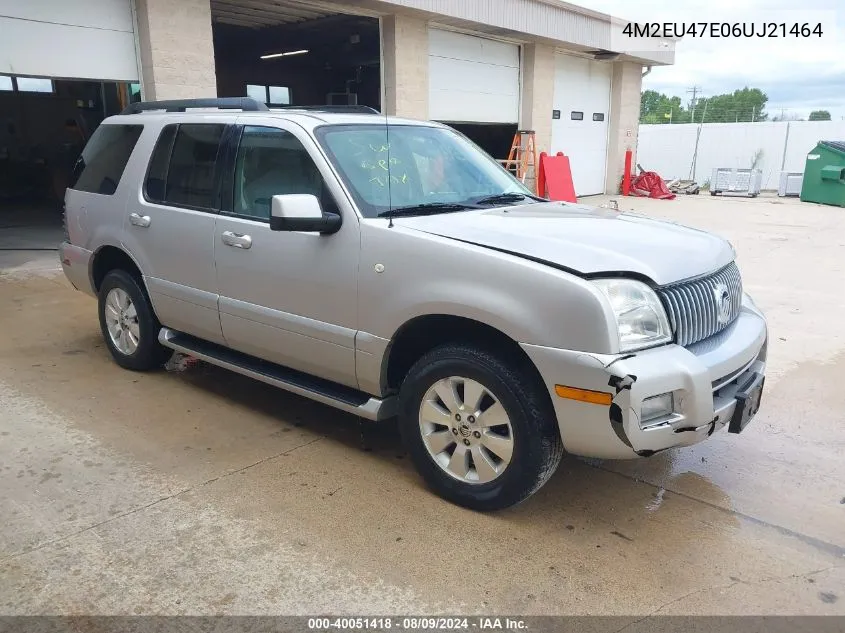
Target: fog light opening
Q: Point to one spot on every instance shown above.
(656, 409)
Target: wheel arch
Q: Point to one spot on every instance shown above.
(109, 257)
(423, 333)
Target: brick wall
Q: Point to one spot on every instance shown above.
(405, 66)
(627, 84)
(177, 51)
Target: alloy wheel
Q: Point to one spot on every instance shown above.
(466, 430)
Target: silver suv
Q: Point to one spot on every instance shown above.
(390, 268)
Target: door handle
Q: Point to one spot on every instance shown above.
(238, 240)
(140, 220)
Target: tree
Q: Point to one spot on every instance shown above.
(656, 107)
(747, 104)
(819, 115)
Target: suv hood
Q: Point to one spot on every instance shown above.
(586, 240)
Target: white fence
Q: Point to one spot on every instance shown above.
(770, 147)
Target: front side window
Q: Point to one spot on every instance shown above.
(272, 162)
(190, 173)
(101, 165)
(410, 165)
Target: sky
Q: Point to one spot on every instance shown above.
(798, 74)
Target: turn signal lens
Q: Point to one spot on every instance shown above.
(583, 395)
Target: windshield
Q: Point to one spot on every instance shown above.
(406, 166)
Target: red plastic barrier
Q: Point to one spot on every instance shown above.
(555, 178)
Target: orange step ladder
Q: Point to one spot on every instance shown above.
(523, 155)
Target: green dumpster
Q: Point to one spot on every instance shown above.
(824, 174)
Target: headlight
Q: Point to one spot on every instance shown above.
(640, 316)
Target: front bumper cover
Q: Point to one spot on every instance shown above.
(704, 377)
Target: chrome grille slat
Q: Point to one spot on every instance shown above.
(690, 311)
(700, 310)
(692, 306)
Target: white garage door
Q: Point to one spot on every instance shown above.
(582, 100)
(472, 79)
(79, 39)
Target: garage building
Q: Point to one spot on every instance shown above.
(486, 67)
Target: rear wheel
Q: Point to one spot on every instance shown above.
(478, 427)
(129, 326)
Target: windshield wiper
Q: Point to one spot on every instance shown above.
(505, 198)
(427, 208)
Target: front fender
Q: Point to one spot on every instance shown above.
(423, 274)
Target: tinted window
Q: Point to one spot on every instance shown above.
(104, 158)
(273, 162)
(190, 176)
(157, 172)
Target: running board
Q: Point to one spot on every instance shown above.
(323, 391)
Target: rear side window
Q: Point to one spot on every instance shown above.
(100, 167)
(181, 170)
(157, 172)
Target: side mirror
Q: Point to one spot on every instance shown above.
(301, 212)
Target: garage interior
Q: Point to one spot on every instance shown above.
(289, 53)
(294, 53)
(44, 124)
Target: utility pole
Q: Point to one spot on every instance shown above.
(697, 138)
(692, 102)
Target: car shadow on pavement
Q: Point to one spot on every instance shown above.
(578, 482)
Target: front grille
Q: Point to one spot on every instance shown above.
(694, 308)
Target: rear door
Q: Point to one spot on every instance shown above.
(169, 226)
(286, 297)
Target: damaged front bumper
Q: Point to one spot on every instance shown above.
(706, 379)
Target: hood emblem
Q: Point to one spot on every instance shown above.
(724, 305)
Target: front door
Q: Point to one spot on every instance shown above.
(286, 297)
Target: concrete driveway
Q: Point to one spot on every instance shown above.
(202, 492)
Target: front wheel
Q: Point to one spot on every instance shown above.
(130, 328)
(479, 429)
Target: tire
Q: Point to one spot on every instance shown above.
(137, 322)
(536, 447)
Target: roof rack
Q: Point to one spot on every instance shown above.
(344, 109)
(181, 105)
